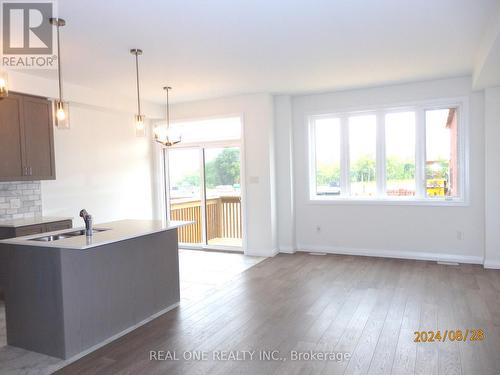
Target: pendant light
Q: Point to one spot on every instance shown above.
(164, 134)
(61, 107)
(140, 127)
(4, 85)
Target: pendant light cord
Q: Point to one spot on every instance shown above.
(137, 75)
(59, 63)
(168, 110)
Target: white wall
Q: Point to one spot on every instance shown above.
(257, 112)
(487, 61)
(101, 166)
(377, 229)
(34, 85)
(284, 172)
(492, 214)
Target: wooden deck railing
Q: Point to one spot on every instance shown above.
(223, 218)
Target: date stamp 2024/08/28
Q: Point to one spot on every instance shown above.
(465, 335)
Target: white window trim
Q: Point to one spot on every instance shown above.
(461, 103)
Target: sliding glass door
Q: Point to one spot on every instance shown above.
(185, 193)
(205, 187)
(223, 196)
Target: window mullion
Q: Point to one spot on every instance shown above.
(380, 166)
(420, 154)
(344, 157)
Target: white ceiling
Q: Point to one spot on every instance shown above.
(214, 48)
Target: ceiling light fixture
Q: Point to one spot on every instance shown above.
(164, 134)
(61, 108)
(140, 127)
(4, 85)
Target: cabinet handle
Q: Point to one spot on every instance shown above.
(30, 171)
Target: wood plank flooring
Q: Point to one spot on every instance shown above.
(367, 307)
(201, 274)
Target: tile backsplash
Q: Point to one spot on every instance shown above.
(20, 200)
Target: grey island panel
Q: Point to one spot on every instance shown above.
(33, 303)
(62, 302)
(123, 284)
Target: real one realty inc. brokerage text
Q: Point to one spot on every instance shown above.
(247, 355)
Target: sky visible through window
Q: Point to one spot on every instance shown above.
(438, 135)
(437, 139)
(400, 134)
(209, 130)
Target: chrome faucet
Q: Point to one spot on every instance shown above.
(88, 222)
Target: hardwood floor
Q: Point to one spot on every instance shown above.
(367, 307)
(201, 274)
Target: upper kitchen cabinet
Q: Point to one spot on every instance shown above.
(26, 138)
(11, 138)
(38, 138)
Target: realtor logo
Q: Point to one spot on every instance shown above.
(27, 35)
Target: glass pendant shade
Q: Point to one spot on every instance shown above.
(61, 110)
(140, 126)
(4, 85)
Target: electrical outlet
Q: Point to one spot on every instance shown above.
(460, 235)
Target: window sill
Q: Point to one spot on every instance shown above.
(389, 202)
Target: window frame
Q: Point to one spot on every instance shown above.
(420, 198)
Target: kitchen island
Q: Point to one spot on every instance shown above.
(67, 294)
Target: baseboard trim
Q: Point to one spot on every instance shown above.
(261, 253)
(287, 250)
(494, 265)
(415, 255)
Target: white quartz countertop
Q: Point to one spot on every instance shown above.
(115, 231)
(32, 221)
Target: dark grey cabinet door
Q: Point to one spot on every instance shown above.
(11, 138)
(38, 133)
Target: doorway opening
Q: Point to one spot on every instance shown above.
(203, 184)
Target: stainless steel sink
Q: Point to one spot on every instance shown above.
(81, 232)
(53, 237)
(62, 236)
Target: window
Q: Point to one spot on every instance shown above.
(327, 160)
(397, 154)
(441, 159)
(363, 155)
(219, 129)
(400, 154)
